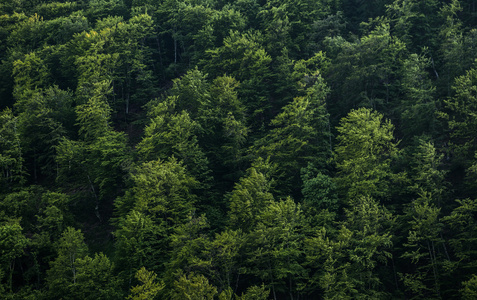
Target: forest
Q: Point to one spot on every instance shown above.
(238, 150)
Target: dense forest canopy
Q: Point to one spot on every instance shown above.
(248, 149)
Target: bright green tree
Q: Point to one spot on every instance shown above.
(274, 248)
(95, 279)
(12, 246)
(426, 173)
(363, 154)
(160, 199)
(327, 264)
(138, 243)
(193, 287)
(424, 248)
(469, 290)
(370, 226)
(148, 289)
(218, 258)
(172, 132)
(63, 274)
(250, 195)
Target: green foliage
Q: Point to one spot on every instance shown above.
(250, 195)
(193, 287)
(148, 288)
(63, 274)
(366, 70)
(319, 191)
(423, 246)
(274, 247)
(136, 121)
(11, 159)
(172, 133)
(243, 57)
(12, 246)
(163, 189)
(98, 9)
(160, 200)
(461, 118)
(43, 118)
(370, 226)
(137, 243)
(462, 239)
(219, 258)
(30, 73)
(426, 173)
(470, 288)
(73, 274)
(363, 154)
(95, 278)
(419, 107)
(255, 293)
(300, 134)
(94, 116)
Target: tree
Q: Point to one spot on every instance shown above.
(63, 274)
(193, 287)
(163, 190)
(243, 57)
(348, 262)
(139, 243)
(426, 174)
(274, 248)
(224, 128)
(42, 121)
(97, 161)
(418, 108)
(424, 248)
(98, 9)
(148, 289)
(415, 16)
(327, 264)
(454, 51)
(11, 157)
(250, 195)
(96, 279)
(462, 121)
(94, 117)
(160, 199)
(300, 135)
(12, 245)
(363, 154)
(462, 239)
(365, 71)
(470, 288)
(370, 226)
(170, 133)
(218, 258)
(319, 191)
(255, 293)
